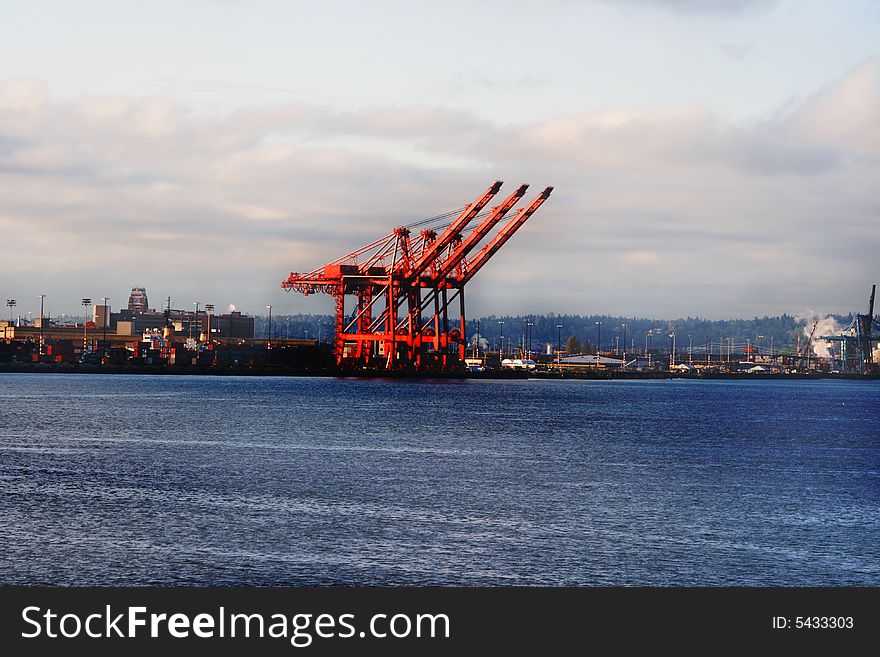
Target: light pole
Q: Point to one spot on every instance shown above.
(478, 339)
(690, 348)
(105, 300)
(501, 352)
(647, 346)
(760, 344)
(209, 308)
(86, 303)
(749, 350)
(269, 341)
(196, 318)
(624, 344)
(529, 326)
(10, 303)
(598, 340)
(672, 352)
(42, 296)
(558, 342)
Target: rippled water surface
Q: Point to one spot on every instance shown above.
(202, 480)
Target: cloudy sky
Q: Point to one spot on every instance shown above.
(719, 159)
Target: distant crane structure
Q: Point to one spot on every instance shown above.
(857, 341)
(404, 285)
(805, 350)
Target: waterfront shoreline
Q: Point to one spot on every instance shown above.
(195, 370)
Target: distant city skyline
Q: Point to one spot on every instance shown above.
(712, 159)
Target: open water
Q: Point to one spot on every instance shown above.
(137, 480)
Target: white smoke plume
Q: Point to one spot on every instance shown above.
(484, 343)
(232, 307)
(826, 325)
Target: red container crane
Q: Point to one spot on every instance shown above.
(397, 278)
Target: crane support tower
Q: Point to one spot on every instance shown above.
(403, 285)
(856, 350)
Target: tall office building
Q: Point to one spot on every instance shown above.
(137, 302)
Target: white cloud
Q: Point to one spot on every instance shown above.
(223, 206)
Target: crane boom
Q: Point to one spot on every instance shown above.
(482, 257)
(445, 238)
(479, 233)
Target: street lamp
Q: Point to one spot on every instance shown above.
(501, 352)
(624, 344)
(672, 352)
(558, 342)
(598, 340)
(86, 303)
(690, 348)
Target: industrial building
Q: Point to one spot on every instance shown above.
(136, 332)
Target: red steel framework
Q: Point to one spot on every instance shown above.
(404, 286)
